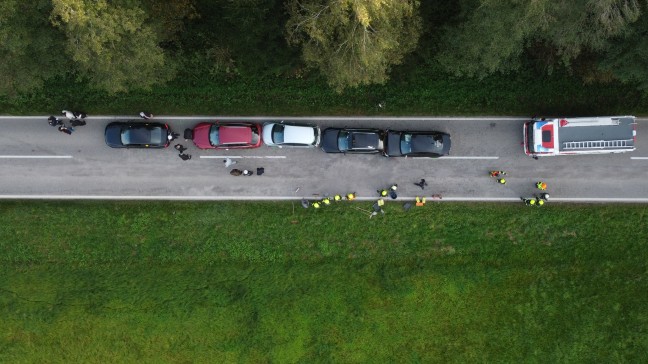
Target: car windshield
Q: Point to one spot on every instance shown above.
(278, 134)
(344, 140)
(143, 135)
(213, 135)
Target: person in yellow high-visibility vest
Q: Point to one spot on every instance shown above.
(541, 186)
(337, 198)
(420, 201)
(326, 201)
(351, 196)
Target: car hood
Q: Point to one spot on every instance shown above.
(446, 144)
(201, 135)
(329, 140)
(267, 134)
(113, 136)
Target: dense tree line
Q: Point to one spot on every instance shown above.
(122, 45)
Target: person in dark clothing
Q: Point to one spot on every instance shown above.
(184, 157)
(236, 172)
(421, 184)
(260, 171)
(79, 115)
(54, 121)
(77, 122)
(180, 148)
(65, 130)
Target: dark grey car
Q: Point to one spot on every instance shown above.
(340, 140)
(417, 144)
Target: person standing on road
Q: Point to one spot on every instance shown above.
(66, 130)
(383, 192)
(420, 201)
(180, 148)
(79, 115)
(544, 196)
(236, 172)
(172, 136)
(77, 122)
(501, 181)
(541, 186)
(228, 162)
(528, 201)
(68, 114)
(496, 174)
(184, 157)
(421, 184)
(247, 172)
(351, 196)
(54, 121)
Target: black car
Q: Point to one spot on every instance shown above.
(417, 144)
(336, 140)
(134, 134)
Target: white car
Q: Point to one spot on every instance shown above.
(291, 135)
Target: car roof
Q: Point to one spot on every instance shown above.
(234, 134)
(364, 139)
(427, 143)
(299, 134)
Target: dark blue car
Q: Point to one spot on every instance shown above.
(134, 134)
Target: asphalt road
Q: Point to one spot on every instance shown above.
(37, 161)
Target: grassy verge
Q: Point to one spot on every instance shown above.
(98, 282)
(415, 89)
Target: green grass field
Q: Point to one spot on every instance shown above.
(253, 282)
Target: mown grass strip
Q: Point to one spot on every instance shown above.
(167, 281)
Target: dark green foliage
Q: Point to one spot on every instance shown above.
(111, 44)
(494, 35)
(31, 50)
(253, 282)
(232, 58)
(355, 42)
(627, 58)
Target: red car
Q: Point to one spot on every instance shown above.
(218, 135)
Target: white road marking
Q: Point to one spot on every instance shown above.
(638, 157)
(240, 156)
(463, 157)
(36, 156)
(401, 199)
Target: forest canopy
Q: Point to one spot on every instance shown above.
(119, 46)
